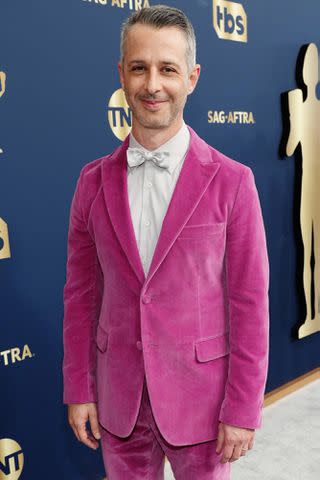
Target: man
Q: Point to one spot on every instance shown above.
(168, 272)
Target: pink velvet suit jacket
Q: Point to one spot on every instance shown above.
(197, 326)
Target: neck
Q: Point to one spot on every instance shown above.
(151, 139)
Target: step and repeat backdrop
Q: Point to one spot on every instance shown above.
(61, 107)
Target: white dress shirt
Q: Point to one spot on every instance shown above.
(150, 189)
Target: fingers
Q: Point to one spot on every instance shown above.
(89, 440)
(94, 424)
(227, 453)
(78, 417)
(239, 451)
(220, 439)
(234, 442)
(234, 448)
(75, 431)
(244, 450)
(233, 452)
(86, 437)
(236, 454)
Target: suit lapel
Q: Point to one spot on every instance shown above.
(114, 181)
(197, 172)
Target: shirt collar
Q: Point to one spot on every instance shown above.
(177, 146)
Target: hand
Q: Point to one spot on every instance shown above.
(78, 415)
(231, 440)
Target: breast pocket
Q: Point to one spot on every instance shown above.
(201, 231)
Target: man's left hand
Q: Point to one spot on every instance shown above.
(233, 442)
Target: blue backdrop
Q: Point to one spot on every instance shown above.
(60, 60)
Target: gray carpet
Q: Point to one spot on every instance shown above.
(287, 447)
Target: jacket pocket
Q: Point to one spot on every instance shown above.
(201, 231)
(212, 347)
(101, 339)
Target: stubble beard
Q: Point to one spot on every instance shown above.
(152, 120)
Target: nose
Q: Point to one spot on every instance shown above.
(153, 83)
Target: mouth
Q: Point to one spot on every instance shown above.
(152, 104)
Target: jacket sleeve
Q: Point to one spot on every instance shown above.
(82, 296)
(247, 282)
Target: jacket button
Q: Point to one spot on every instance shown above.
(146, 299)
(139, 345)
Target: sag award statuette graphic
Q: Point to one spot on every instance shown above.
(4, 240)
(4, 237)
(304, 130)
(2, 90)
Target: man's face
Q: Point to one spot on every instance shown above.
(154, 76)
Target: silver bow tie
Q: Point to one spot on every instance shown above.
(140, 156)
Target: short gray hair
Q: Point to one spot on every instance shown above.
(159, 16)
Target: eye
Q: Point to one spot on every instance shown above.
(138, 68)
(169, 70)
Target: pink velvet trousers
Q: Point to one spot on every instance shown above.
(141, 456)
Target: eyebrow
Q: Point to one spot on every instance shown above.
(163, 62)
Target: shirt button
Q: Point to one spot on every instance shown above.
(149, 184)
(147, 223)
(139, 345)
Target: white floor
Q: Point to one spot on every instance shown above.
(287, 447)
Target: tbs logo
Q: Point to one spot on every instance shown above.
(230, 20)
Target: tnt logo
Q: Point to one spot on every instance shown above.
(11, 459)
(119, 115)
(230, 20)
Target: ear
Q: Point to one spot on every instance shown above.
(120, 70)
(193, 78)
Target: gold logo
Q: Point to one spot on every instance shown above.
(131, 4)
(4, 240)
(304, 111)
(230, 21)
(11, 459)
(236, 117)
(15, 354)
(119, 115)
(2, 90)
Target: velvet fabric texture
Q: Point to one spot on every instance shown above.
(142, 454)
(197, 325)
